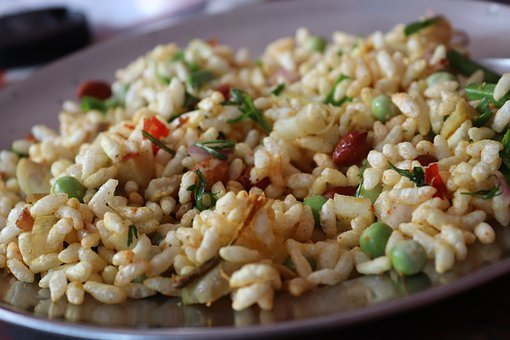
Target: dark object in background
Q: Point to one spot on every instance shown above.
(38, 36)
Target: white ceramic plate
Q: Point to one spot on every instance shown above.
(39, 98)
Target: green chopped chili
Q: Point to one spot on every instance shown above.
(467, 67)
(212, 147)
(417, 26)
(485, 113)
(157, 142)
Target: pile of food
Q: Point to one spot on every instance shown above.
(202, 173)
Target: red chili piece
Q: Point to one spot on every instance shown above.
(245, 181)
(433, 178)
(426, 159)
(156, 128)
(225, 91)
(95, 89)
(351, 149)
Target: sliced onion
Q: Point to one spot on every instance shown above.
(198, 154)
(503, 187)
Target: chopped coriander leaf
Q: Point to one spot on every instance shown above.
(361, 172)
(485, 113)
(416, 175)
(467, 67)
(485, 194)
(417, 26)
(132, 232)
(157, 142)
(478, 91)
(330, 97)
(278, 89)
(199, 77)
(212, 147)
(248, 109)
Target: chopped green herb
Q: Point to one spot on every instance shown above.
(132, 231)
(485, 113)
(419, 25)
(278, 89)
(199, 193)
(173, 117)
(505, 153)
(212, 147)
(315, 43)
(94, 104)
(340, 53)
(361, 172)
(259, 63)
(330, 97)
(164, 79)
(179, 56)
(248, 109)
(467, 67)
(200, 77)
(478, 91)
(485, 194)
(157, 142)
(417, 175)
(190, 101)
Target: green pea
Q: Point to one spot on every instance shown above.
(373, 239)
(408, 257)
(438, 77)
(290, 264)
(383, 108)
(315, 43)
(69, 185)
(371, 194)
(315, 203)
(413, 284)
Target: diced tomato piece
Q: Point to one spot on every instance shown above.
(433, 178)
(214, 170)
(156, 128)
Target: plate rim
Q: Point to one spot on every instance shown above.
(372, 312)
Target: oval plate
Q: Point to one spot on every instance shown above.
(39, 98)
